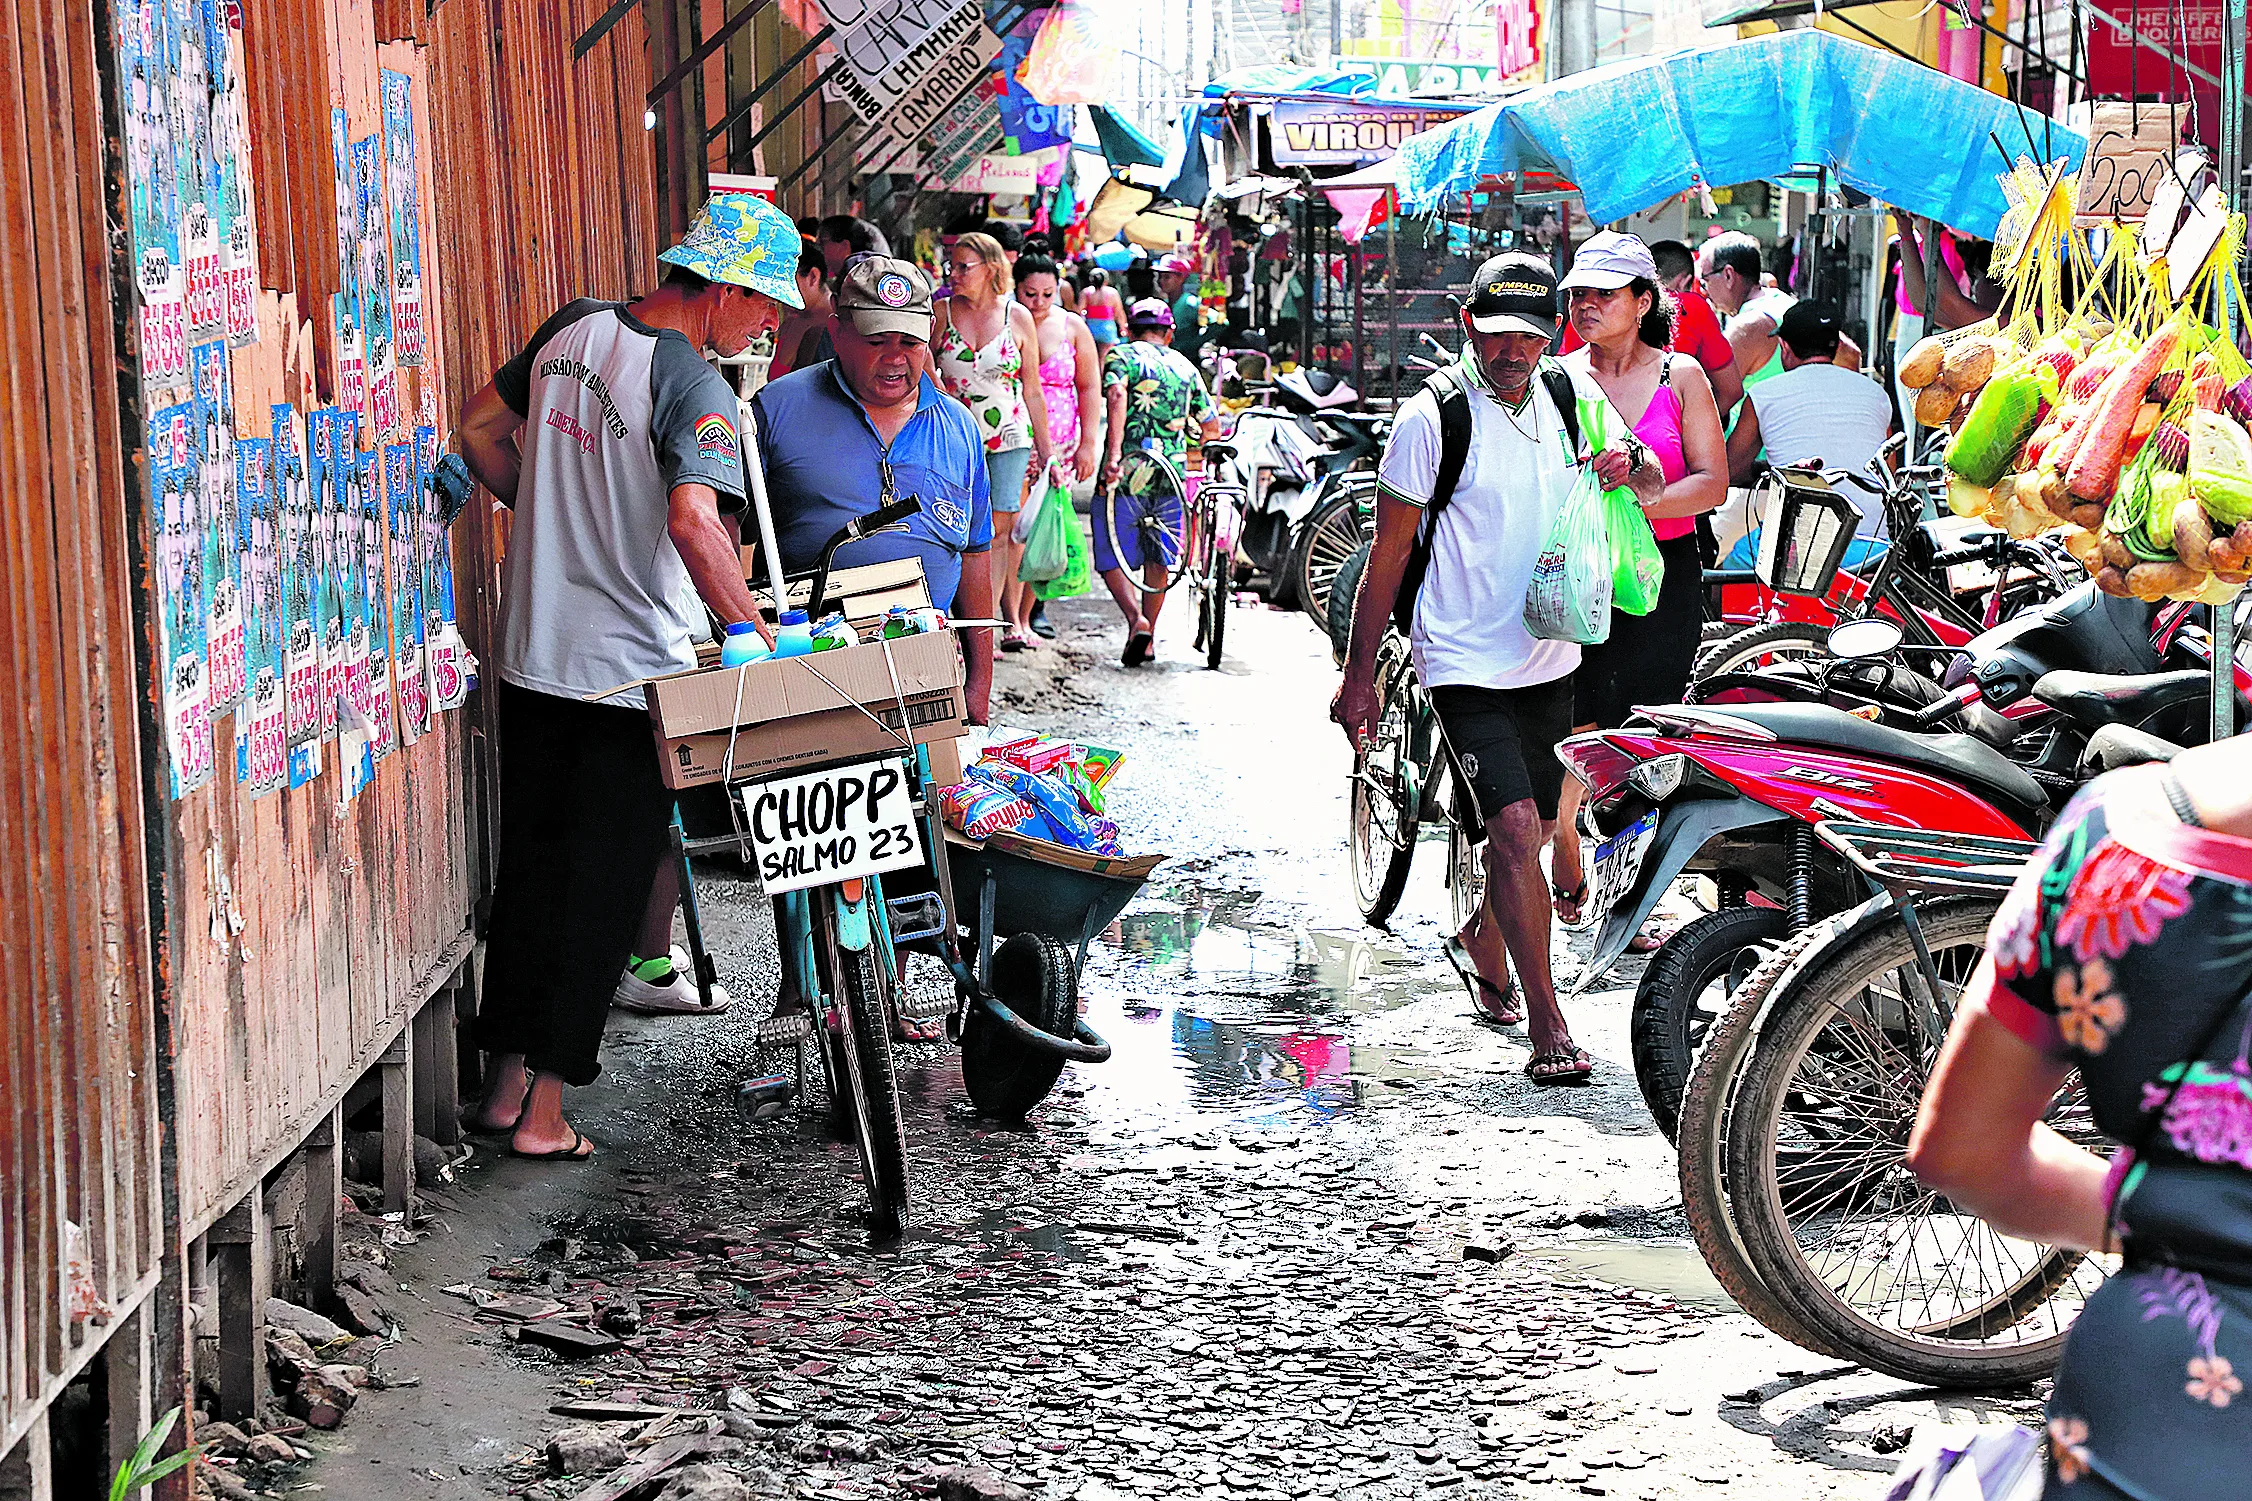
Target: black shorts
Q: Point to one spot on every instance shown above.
(1648, 658)
(1504, 740)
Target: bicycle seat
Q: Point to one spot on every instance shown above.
(2094, 699)
(1961, 759)
(1218, 451)
(2117, 745)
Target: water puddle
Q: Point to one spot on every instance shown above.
(1671, 1270)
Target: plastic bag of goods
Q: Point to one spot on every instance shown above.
(1569, 598)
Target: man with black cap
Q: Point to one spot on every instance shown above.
(1478, 464)
(1814, 410)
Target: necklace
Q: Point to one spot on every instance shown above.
(1510, 411)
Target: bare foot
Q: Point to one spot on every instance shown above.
(541, 1131)
(503, 1104)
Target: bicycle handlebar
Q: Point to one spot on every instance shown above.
(881, 517)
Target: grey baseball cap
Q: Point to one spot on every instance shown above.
(1609, 261)
(882, 295)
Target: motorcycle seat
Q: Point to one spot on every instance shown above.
(1219, 451)
(2117, 745)
(2094, 699)
(1961, 759)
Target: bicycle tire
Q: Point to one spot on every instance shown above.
(1326, 539)
(1705, 1107)
(882, 1127)
(1956, 1349)
(1466, 862)
(1343, 592)
(1663, 1035)
(1219, 575)
(1756, 645)
(1033, 975)
(1141, 472)
(1379, 873)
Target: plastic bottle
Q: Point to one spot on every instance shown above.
(794, 638)
(743, 645)
(898, 621)
(834, 632)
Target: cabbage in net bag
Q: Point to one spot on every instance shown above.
(1569, 598)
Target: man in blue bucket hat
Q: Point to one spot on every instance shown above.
(616, 447)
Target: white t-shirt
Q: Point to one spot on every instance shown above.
(1770, 303)
(1822, 411)
(1470, 613)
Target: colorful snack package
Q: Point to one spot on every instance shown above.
(1058, 805)
(980, 809)
(1100, 763)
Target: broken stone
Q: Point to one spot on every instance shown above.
(584, 1450)
(221, 1484)
(976, 1483)
(307, 1325)
(324, 1394)
(704, 1483)
(620, 1315)
(1493, 1249)
(363, 1313)
(223, 1439)
(271, 1449)
(288, 1357)
(853, 1447)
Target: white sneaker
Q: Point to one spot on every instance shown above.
(675, 995)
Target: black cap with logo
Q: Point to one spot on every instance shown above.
(1514, 294)
(1810, 329)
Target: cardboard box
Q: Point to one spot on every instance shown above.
(864, 593)
(798, 712)
(946, 762)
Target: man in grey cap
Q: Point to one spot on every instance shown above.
(1479, 462)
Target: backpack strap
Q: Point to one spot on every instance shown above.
(1454, 437)
(1558, 380)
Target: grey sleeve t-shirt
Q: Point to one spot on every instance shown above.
(616, 415)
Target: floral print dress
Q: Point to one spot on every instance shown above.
(2127, 951)
(990, 382)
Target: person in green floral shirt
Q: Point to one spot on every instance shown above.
(1151, 393)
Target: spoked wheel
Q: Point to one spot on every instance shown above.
(1386, 795)
(1218, 578)
(1902, 1279)
(1034, 977)
(1331, 535)
(1466, 857)
(1763, 646)
(861, 1032)
(1343, 591)
(1146, 504)
(1688, 985)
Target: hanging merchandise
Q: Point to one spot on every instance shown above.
(1074, 59)
(1027, 125)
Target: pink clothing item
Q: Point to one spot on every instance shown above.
(1949, 257)
(1059, 384)
(1660, 428)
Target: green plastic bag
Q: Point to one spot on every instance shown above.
(1078, 576)
(1638, 571)
(1047, 552)
(1569, 598)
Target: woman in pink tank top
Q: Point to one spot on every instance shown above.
(1626, 323)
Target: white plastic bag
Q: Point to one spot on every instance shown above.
(1569, 598)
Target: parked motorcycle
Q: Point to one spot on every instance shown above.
(1307, 462)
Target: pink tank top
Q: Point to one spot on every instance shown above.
(1059, 387)
(1660, 429)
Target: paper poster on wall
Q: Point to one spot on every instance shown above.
(300, 554)
(377, 335)
(261, 726)
(447, 668)
(402, 199)
(176, 510)
(222, 525)
(404, 534)
(382, 723)
(329, 615)
(351, 567)
(344, 306)
(146, 66)
(230, 112)
(202, 183)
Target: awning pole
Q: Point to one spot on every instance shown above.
(744, 105)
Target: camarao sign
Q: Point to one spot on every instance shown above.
(1304, 133)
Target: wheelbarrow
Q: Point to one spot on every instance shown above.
(1021, 905)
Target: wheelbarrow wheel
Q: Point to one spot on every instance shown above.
(1034, 977)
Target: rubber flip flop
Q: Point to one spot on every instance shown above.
(1512, 1009)
(1577, 897)
(1137, 649)
(1580, 1074)
(570, 1153)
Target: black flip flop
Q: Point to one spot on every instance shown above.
(1508, 1001)
(510, 1128)
(1577, 897)
(1578, 1076)
(570, 1153)
(1137, 649)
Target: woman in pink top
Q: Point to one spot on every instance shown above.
(1626, 322)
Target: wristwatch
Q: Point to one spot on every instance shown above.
(1637, 453)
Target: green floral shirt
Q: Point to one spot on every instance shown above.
(1163, 391)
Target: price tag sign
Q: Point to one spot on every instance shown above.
(2130, 152)
(822, 827)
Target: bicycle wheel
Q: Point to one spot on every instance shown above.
(1816, 1169)
(1688, 984)
(1466, 858)
(1705, 1113)
(1761, 645)
(1344, 590)
(1212, 616)
(1146, 504)
(1325, 540)
(1386, 791)
(862, 1017)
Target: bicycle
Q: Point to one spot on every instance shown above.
(1399, 776)
(1178, 534)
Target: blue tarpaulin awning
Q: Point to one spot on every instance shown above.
(1634, 134)
(1123, 145)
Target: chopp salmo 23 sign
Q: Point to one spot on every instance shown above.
(820, 828)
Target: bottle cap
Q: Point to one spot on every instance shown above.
(793, 617)
(740, 627)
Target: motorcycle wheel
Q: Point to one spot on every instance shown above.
(1343, 590)
(1689, 983)
(1033, 976)
(1817, 1175)
(1759, 645)
(1325, 541)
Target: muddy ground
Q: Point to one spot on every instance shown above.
(1311, 1233)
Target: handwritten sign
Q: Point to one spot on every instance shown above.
(818, 828)
(2130, 150)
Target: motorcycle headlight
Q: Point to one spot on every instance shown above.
(1660, 779)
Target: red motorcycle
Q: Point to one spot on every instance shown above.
(1734, 791)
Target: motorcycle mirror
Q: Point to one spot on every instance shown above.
(1856, 640)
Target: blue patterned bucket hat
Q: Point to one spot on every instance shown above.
(741, 239)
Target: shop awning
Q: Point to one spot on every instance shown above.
(1123, 145)
(1636, 133)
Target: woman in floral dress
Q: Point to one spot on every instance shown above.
(2125, 952)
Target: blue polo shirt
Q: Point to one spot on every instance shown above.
(824, 466)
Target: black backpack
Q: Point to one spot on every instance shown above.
(1454, 451)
